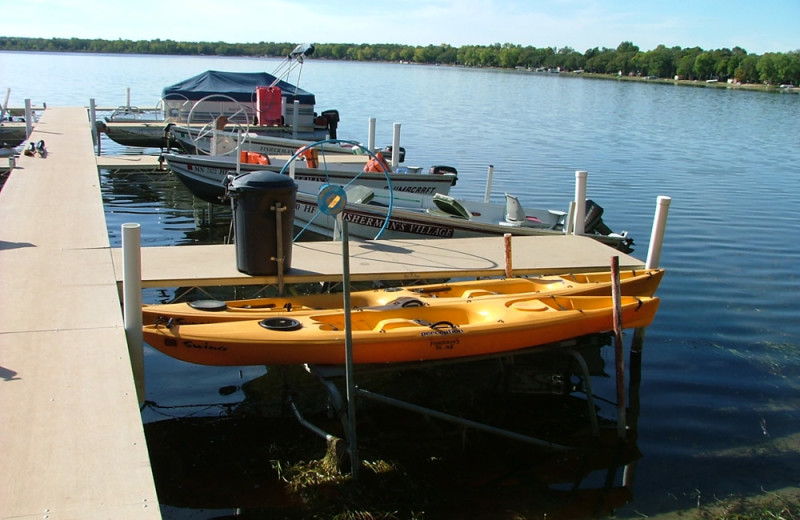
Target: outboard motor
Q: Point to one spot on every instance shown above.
(386, 153)
(593, 217)
(332, 117)
(441, 170)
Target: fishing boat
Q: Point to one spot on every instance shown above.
(206, 176)
(417, 215)
(195, 140)
(632, 283)
(474, 327)
(262, 103)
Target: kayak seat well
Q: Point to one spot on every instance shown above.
(396, 323)
(529, 305)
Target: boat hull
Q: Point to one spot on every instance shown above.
(632, 283)
(261, 139)
(206, 176)
(437, 332)
(368, 221)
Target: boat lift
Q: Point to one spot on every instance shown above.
(331, 201)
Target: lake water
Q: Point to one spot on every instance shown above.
(720, 390)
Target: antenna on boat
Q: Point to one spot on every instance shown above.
(293, 60)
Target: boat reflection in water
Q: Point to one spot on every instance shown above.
(255, 459)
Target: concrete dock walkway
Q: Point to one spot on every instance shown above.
(71, 433)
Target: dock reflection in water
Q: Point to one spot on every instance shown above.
(255, 459)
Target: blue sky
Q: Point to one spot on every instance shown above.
(758, 27)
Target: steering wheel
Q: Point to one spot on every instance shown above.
(228, 140)
(303, 151)
(161, 106)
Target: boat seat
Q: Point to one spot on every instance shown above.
(515, 214)
(451, 206)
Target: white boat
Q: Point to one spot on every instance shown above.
(206, 176)
(196, 140)
(263, 103)
(413, 216)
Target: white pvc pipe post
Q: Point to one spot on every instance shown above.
(371, 134)
(132, 301)
(489, 176)
(580, 201)
(28, 118)
(657, 234)
(128, 98)
(395, 146)
(295, 117)
(570, 221)
(93, 120)
(4, 108)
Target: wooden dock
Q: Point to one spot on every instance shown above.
(215, 265)
(71, 435)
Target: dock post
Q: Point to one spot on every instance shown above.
(28, 118)
(489, 175)
(371, 134)
(93, 121)
(657, 234)
(4, 106)
(580, 201)
(132, 301)
(507, 243)
(395, 146)
(128, 98)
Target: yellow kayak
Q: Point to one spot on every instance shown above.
(632, 283)
(400, 334)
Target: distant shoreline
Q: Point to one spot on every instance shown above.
(754, 87)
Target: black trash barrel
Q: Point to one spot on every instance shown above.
(259, 240)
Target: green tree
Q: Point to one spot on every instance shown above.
(747, 71)
(703, 66)
(767, 69)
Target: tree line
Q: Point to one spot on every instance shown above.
(626, 59)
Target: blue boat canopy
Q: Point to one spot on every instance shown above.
(240, 86)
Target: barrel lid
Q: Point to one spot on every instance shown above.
(261, 179)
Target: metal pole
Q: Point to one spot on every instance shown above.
(460, 420)
(132, 302)
(580, 201)
(280, 257)
(657, 234)
(295, 117)
(619, 355)
(348, 345)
